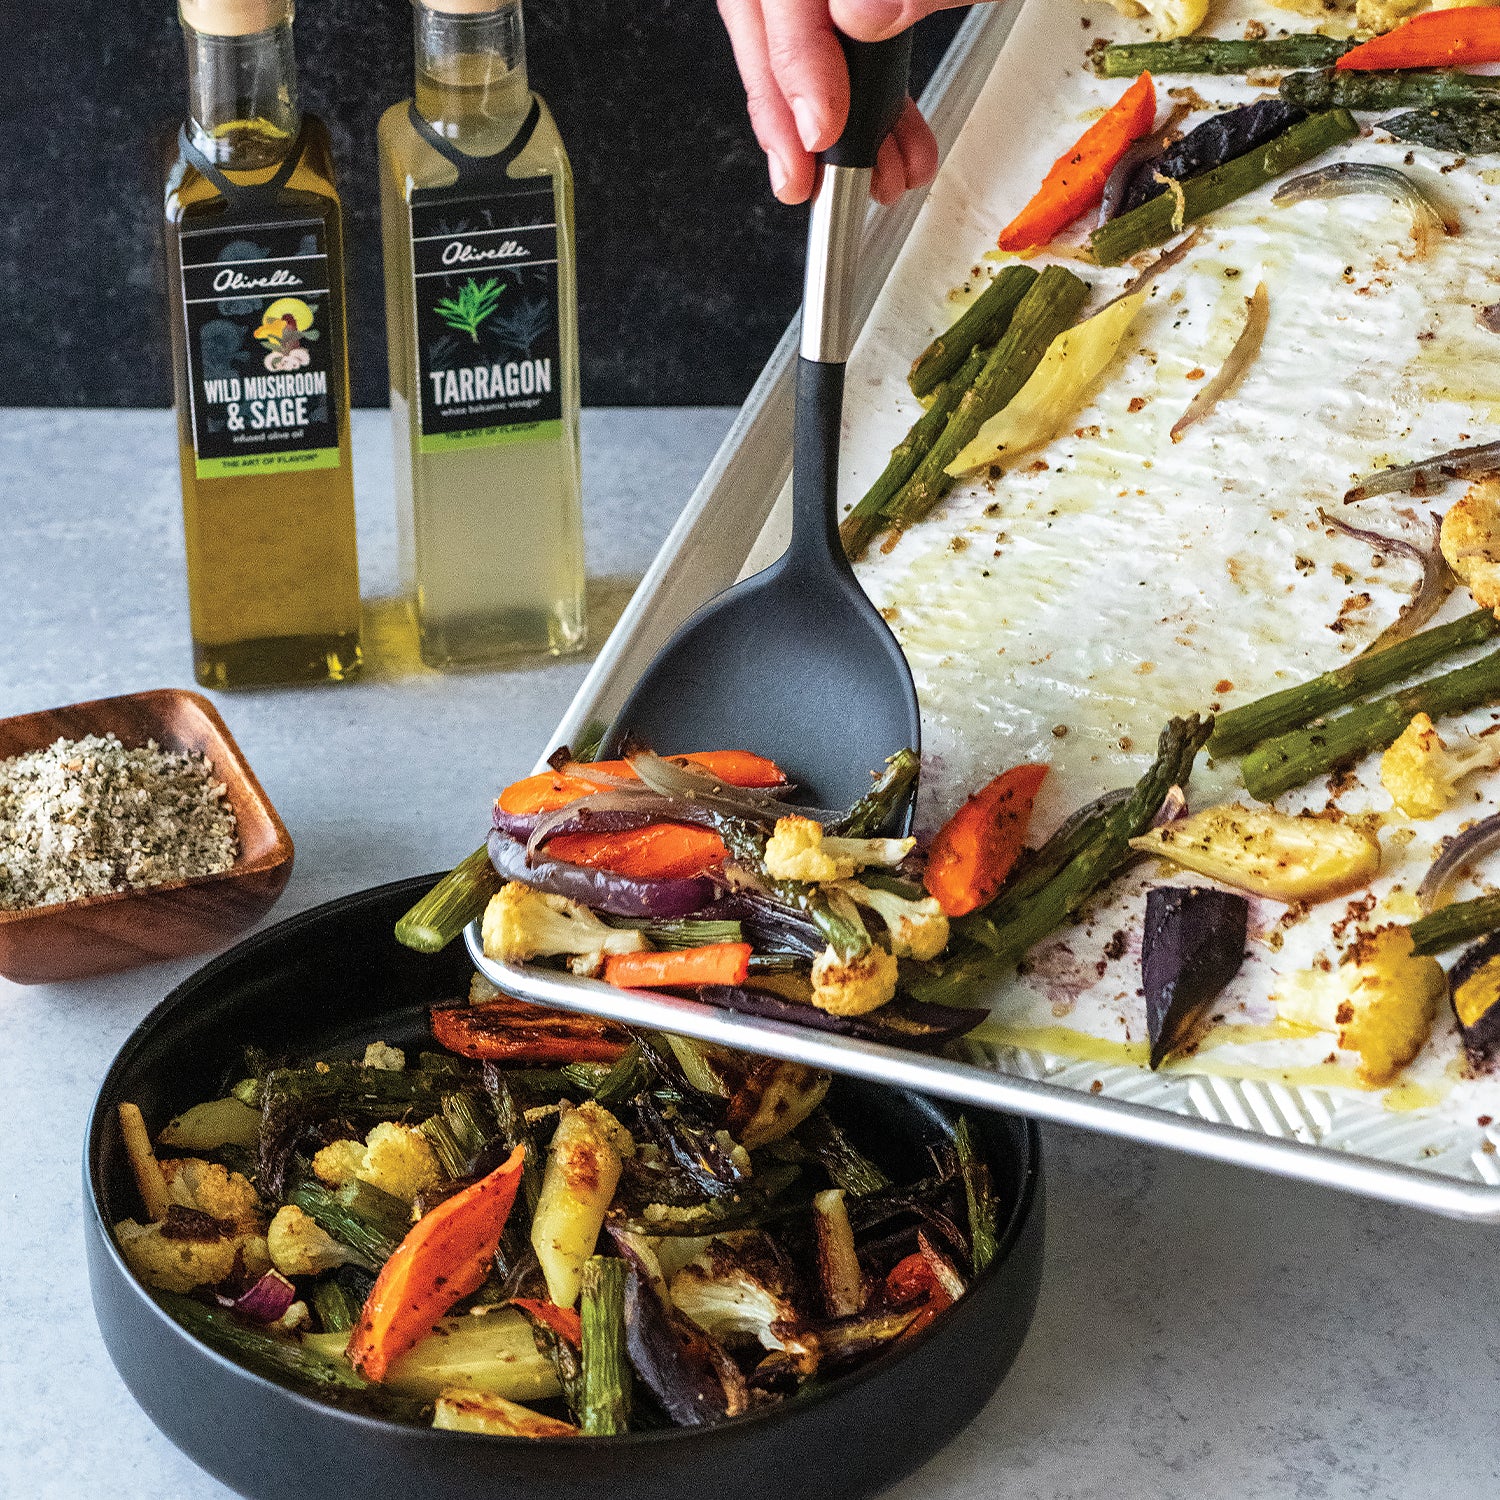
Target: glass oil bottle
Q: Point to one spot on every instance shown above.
(481, 308)
(255, 267)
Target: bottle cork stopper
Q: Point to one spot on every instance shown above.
(233, 17)
(464, 7)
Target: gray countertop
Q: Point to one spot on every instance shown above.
(1202, 1332)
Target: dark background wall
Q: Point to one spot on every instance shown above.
(688, 267)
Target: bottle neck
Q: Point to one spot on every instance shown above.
(242, 93)
(471, 75)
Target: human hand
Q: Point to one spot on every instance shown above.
(798, 87)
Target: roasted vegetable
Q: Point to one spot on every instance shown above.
(799, 849)
(1172, 18)
(1470, 539)
(1216, 141)
(713, 963)
(1269, 853)
(1429, 219)
(1449, 926)
(979, 1196)
(675, 1360)
(1465, 129)
(605, 1395)
(1225, 380)
(583, 1167)
(491, 1353)
(149, 1181)
(1219, 55)
(1434, 39)
(1328, 88)
(445, 1256)
(1162, 217)
(456, 1411)
(1193, 945)
(1422, 772)
(1291, 759)
(521, 924)
(854, 986)
(1474, 987)
(455, 901)
(839, 1273)
(521, 1034)
(1380, 1000)
(980, 326)
(187, 1248)
(915, 925)
(1245, 727)
(210, 1126)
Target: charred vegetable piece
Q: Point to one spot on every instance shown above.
(979, 1197)
(849, 1167)
(1474, 987)
(673, 1359)
(1193, 945)
(455, 1412)
(1164, 216)
(741, 1286)
(1269, 853)
(557, 1334)
(844, 1340)
(885, 802)
(455, 901)
(839, 1274)
(983, 322)
(903, 1022)
(975, 849)
(521, 1034)
(1466, 129)
(1213, 55)
(446, 1255)
(337, 1298)
(605, 1396)
(771, 1099)
(1449, 926)
(1328, 88)
(1292, 759)
(1211, 144)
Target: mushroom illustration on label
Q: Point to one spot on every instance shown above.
(286, 330)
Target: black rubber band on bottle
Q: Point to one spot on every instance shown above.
(246, 196)
(479, 170)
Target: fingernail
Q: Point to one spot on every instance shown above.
(779, 176)
(877, 16)
(807, 123)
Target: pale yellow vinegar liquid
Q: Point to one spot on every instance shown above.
(273, 580)
(490, 537)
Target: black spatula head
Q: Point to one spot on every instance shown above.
(796, 663)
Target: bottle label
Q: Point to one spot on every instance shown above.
(262, 348)
(484, 277)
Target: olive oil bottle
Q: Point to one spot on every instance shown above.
(481, 309)
(255, 267)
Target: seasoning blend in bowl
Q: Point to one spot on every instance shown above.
(131, 830)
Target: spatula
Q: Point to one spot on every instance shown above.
(796, 663)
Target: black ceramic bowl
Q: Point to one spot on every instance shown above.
(329, 981)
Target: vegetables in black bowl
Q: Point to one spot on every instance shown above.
(327, 983)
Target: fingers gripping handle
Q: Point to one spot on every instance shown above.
(877, 94)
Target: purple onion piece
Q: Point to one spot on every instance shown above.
(602, 890)
(264, 1301)
(1464, 848)
(1174, 807)
(609, 812)
(673, 1359)
(1457, 463)
(1142, 150)
(903, 1023)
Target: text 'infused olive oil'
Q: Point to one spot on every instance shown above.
(255, 268)
(481, 307)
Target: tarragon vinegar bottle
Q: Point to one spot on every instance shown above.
(481, 309)
(255, 268)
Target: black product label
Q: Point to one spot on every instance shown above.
(484, 278)
(262, 349)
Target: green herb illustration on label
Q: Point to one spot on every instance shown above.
(286, 330)
(475, 302)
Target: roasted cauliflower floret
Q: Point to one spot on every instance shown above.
(521, 923)
(385, 1057)
(212, 1189)
(339, 1162)
(399, 1161)
(1470, 541)
(852, 986)
(300, 1246)
(1422, 772)
(1170, 17)
(917, 928)
(1381, 15)
(1380, 1000)
(188, 1250)
(799, 849)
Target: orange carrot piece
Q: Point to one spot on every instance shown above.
(524, 1035)
(446, 1255)
(714, 963)
(975, 849)
(563, 1321)
(910, 1278)
(1435, 39)
(1076, 182)
(549, 790)
(660, 851)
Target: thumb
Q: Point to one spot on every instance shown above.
(875, 20)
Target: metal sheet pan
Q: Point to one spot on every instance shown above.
(733, 525)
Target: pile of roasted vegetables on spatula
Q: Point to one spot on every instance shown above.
(552, 1228)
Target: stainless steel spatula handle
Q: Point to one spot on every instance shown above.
(877, 95)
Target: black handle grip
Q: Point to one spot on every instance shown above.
(877, 94)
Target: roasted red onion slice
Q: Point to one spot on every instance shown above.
(1173, 808)
(1239, 359)
(691, 783)
(1147, 148)
(1456, 463)
(265, 1300)
(609, 812)
(903, 1023)
(1428, 217)
(1437, 579)
(1463, 849)
(603, 890)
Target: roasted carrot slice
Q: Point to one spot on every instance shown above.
(975, 849)
(526, 1035)
(1435, 39)
(714, 963)
(446, 1255)
(550, 790)
(914, 1277)
(660, 851)
(1076, 181)
(563, 1321)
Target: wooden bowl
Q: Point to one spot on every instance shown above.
(101, 934)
